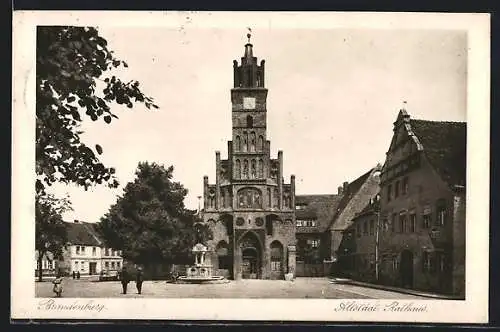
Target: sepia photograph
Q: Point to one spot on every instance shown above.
(331, 166)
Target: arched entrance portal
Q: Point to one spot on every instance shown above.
(406, 269)
(251, 256)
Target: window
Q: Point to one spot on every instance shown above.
(393, 223)
(94, 251)
(83, 250)
(403, 223)
(112, 265)
(77, 250)
(405, 188)
(299, 223)
(413, 222)
(276, 256)
(300, 206)
(238, 143)
(372, 227)
(365, 228)
(106, 265)
(314, 243)
(385, 224)
(396, 189)
(426, 221)
(118, 264)
(389, 192)
(76, 266)
(441, 216)
(429, 260)
(82, 266)
(395, 264)
(441, 261)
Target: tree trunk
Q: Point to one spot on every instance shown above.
(40, 259)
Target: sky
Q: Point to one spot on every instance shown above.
(333, 97)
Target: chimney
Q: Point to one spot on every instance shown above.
(339, 190)
(344, 189)
(76, 221)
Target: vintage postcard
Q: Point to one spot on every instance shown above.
(250, 166)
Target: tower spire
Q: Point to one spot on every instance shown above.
(248, 46)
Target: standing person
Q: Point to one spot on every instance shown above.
(78, 275)
(58, 289)
(139, 278)
(125, 278)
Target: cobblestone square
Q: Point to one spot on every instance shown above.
(301, 288)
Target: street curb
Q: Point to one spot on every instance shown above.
(395, 289)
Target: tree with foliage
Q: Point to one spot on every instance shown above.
(150, 223)
(50, 229)
(74, 81)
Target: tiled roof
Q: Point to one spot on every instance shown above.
(352, 189)
(83, 233)
(444, 144)
(317, 207)
(368, 209)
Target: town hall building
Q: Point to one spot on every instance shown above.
(250, 209)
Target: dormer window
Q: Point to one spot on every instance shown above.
(300, 206)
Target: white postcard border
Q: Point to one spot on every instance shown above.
(473, 310)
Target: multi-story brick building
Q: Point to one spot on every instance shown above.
(85, 253)
(250, 208)
(422, 239)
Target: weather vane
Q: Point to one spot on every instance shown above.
(249, 34)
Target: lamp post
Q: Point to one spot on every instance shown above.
(377, 237)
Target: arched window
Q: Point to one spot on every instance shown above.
(261, 143)
(269, 197)
(276, 256)
(238, 143)
(245, 141)
(223, 198)
(269, 225)
(237, 169)
(253, 171)
(260, 167)
(249, 121)
(252, 142)
(275, 198)
(245, 169)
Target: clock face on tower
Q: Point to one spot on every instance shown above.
(249, 103)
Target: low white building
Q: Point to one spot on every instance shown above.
(85, 253)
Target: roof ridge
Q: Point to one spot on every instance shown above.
(439, 121)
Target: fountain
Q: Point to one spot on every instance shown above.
(200, 272)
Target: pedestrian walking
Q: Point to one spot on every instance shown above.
(125, 279)
(57, 282)
(139, 278)
(74, 275)
(78, 275)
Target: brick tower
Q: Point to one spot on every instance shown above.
(249, 208)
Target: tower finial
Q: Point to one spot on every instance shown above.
(249, 34)
(404, 105)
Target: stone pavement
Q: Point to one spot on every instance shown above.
(315, 288)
